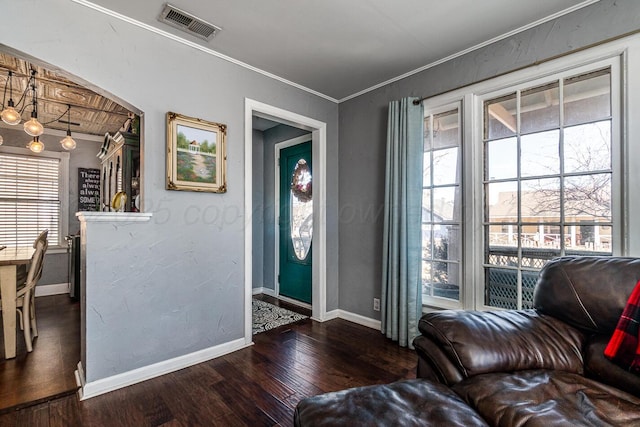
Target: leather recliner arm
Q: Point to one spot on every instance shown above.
(460, 344)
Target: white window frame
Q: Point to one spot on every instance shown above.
(623, 57)
(56, 243)
(435, 109)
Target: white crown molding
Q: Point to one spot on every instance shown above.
(321, 95)
(201, 48)
(473, 48)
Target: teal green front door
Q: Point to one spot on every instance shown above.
(296, 222)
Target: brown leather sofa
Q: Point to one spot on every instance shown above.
(538, 367)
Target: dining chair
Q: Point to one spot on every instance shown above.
(25, 295)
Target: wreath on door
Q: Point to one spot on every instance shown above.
(301, 182)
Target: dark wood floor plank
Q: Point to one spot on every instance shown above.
(65, 412)
(34, 416)
(49, 369)
(9, 419)
(257, 386)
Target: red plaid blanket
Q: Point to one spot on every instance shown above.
(623, 348)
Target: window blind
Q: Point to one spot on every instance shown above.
(29, 198)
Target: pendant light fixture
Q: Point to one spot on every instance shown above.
(36, 145)
(67, 142)
(9, 114)
(33, 127)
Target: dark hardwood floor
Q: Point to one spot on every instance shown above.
(48, 370)
(256, 386)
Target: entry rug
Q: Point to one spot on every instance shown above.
(267, 316)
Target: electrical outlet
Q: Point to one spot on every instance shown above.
(376, 304)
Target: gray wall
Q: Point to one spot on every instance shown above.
(55, 268)
(174, 285)
(362, 131)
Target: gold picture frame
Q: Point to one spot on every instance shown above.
(196, 154)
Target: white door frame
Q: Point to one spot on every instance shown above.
(278, 147)
(318, 131)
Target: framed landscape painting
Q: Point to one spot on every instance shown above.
(196, 156)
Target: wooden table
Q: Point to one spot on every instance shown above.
(10, 258)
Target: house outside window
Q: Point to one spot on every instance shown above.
(547, 178)
(33, 196)
(538, 173)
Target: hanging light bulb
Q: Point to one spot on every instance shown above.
(1, 139)
(9, 115)
(36, 146)
(67, 142)
(33, 127)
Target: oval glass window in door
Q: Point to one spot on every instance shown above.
(301, 209)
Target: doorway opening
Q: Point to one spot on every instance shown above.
(254, 209)
(66, 104)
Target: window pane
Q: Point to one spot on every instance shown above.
(445, 130)
(427, 134)
(537, 257)
(588, 198)
(441, 205)
(445, 280)
(301, 213)
(426, 206)
(426, 169)
(587, 147)
(426, 241)
(540, 154)
(500, 117)
(499, 235)
(588, 239)
(539, 108)
(446, 204)
(502, 201)
(529, 280)
(502, 159)
(445, 166)
(29, 199)
(446, 242)
(587, 97)
(540, 200)
(501, 288)
(426, 278)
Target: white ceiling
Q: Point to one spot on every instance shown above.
(340, 48)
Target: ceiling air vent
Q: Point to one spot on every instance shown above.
(187, 22)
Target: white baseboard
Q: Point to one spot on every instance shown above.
(355, 318)
(266, 291)
(105, 385)
(54, 289)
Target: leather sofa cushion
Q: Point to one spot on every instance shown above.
(548, 398)
(602, 369)
(588, 293)
(403, 403)
(480, 342)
